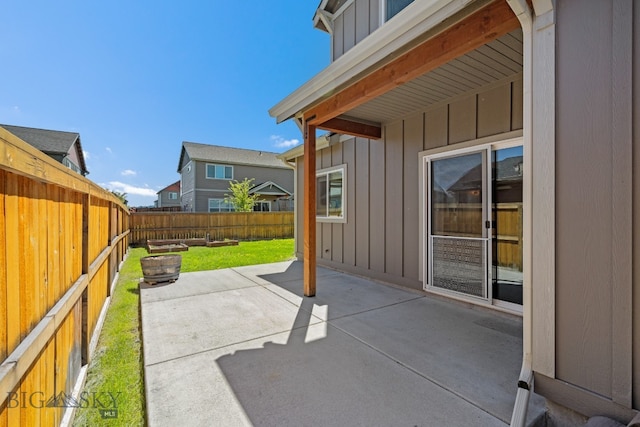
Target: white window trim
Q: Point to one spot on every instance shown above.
(209, 205)
(172, 193)
(206, 169)
(327, 171)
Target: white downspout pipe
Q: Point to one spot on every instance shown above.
(523, 12)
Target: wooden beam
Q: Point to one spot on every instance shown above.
(349, 127)
(487, 24)
(309, 233)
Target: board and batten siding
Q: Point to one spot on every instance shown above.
(354, 23)
(380, 238)
(597, 355)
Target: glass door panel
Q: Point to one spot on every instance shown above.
(507, 225)
(456, 196)
(457, 228)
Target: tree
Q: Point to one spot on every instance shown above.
(240, 198)
(121, 196)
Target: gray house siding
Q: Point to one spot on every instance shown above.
(597, 103)
(380, 238)
(206, 188)
(187, 184)
(165, 201)
(356, 21)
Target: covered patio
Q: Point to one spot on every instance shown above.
(243, 346)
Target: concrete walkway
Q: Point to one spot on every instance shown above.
(241, 346)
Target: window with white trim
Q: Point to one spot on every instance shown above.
(219, 171)
(173, 195)
(220, 205)
(393, 7)
(331, 194)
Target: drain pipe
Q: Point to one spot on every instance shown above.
(523, 12)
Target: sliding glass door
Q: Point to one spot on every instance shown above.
(474, 223)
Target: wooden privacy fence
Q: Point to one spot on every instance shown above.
(62, 239)
(217, 226)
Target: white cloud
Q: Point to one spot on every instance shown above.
(129, 189)
(280, 142)
(109, 150)
(86, 154)
(128, 172)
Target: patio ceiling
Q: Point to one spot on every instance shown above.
(496, 61)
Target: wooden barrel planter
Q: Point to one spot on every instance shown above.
(161, 268)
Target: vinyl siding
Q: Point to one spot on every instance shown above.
(353, 24)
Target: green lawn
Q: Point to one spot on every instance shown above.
(117, 363)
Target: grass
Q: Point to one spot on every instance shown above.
(117, 365)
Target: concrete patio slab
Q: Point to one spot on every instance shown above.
(197, 283)
(246, 348)
(276, 383)
(473, 353)
(176, 327)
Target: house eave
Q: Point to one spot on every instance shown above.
(379, 46)
(298, 151)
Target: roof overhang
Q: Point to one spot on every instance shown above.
(379, 47)
(298, 151)
(418, 59)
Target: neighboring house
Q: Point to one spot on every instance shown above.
(207, 170)
(421, 99)
(169, 196)
(62, 146)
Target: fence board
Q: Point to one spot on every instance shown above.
(217, 226)
(43, 276)
(3, 276)
(12, 262)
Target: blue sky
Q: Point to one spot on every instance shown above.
(136, 78)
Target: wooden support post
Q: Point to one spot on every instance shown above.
(309, 232)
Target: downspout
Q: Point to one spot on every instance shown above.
(523, 12)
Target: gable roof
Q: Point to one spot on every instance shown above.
(171, 187)
(50, 141)
(269, 188)
(229, 155)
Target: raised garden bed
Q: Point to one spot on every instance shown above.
(173, 247)
(188, 242)
(217, 243)
(155, 246)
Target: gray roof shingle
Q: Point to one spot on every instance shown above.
(229, 155)
(49, 141)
